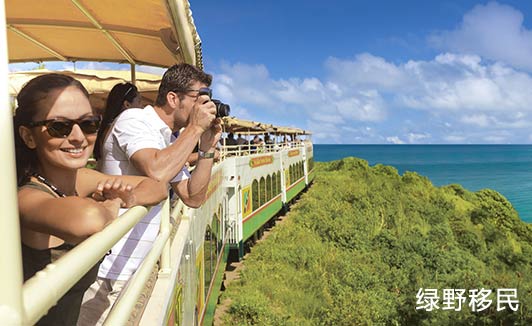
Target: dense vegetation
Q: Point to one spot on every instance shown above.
(363, 240)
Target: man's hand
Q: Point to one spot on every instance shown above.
(203, 113)
(210, 137)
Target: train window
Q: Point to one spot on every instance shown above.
(209, 256)
(262, 191)
(269, 192)
(219, 224)
(274, 185)
(292, 174)
(279, 182)
(289, 181)
(255, 194)
(215, 230)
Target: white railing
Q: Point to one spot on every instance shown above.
(11, 307)
(47, 286)
(249, 149)
(160, 252)
(123, 308)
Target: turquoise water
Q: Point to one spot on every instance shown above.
(504, 168)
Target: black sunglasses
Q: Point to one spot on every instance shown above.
(61, 127)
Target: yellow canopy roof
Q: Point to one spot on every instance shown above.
(151, 32)
(97, 82)
(235, 125)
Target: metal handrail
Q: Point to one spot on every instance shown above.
(11, 308)
(122, 309)
(247, 149)
(177, 244)
(46, 287)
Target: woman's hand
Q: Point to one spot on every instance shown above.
(112, 207)
(115, 188)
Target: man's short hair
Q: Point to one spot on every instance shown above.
(178, 78)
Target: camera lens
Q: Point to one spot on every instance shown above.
(222, 109)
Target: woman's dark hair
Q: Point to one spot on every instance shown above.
(114, 106)
(29, 103)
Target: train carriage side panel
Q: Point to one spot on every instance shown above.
(260, 176)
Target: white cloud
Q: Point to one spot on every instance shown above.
(495, 139)
(479, 90)
(394, 140)
(480, 120)
(494, 31)
(151, 70)
(15, 67)
(457, 139)
(241, 112)
(365, 70)
(414, 138)
(461, 89)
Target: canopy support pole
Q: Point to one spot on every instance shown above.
(133, 74)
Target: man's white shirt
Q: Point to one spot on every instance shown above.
(133, 130)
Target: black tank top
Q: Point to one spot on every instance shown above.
(66, 311)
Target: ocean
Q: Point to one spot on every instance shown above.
(504, 168)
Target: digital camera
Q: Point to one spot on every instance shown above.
(222, 109)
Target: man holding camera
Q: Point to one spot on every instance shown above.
(140, 143)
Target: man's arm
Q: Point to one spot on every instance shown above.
(165, 164)
(192, 191)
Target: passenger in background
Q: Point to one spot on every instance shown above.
(241, 140)
(257, 140)
(55, 129)
(121, 97)
(268, 140)
(140, 143)
(257, 144)
(230, 143)
(230, 140)
(286, 141)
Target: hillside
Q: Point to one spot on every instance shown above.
(363, 241)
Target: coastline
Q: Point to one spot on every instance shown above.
(506, 169)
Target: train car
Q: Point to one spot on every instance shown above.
(180, 280)
(249, 187)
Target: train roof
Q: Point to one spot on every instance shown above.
(97, 82)
(235, 125)
(139, 32)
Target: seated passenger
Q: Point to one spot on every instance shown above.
(61, 203)
(241, 140)
(230, 140)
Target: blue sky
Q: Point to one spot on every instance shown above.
(376, 71)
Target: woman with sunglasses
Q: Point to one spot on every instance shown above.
(60, 202)
(121, 97)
